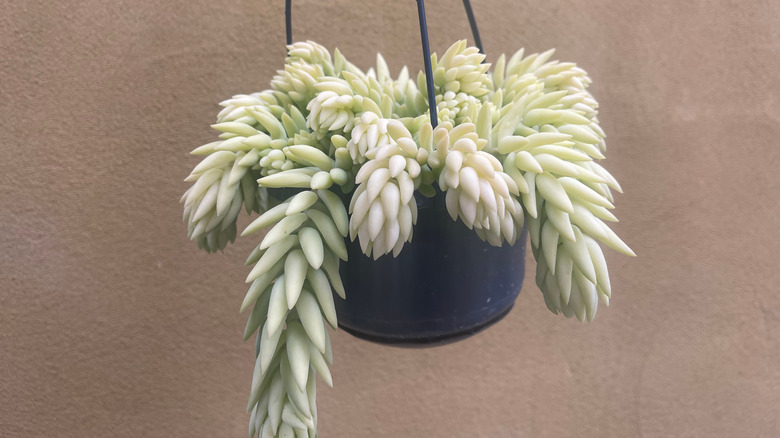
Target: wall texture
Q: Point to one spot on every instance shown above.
(113, 324)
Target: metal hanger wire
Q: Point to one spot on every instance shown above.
(425, 45)
(473, 24)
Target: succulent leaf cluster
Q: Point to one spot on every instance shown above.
(331, 152)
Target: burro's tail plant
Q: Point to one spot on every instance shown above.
(331, 152)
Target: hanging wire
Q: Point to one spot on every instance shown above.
(473, 24)
(288, 20)
(427, 60)
(425, 45)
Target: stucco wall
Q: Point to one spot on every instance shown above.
(113, 324)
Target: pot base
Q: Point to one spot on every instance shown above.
(412, 341)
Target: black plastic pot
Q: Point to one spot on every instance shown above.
(445, 285)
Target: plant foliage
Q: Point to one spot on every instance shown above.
(516, 145)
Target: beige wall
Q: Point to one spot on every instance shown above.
(113, 324)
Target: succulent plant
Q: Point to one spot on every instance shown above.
(516, 145)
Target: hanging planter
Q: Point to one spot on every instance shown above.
(410, 200)
(445, 285)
